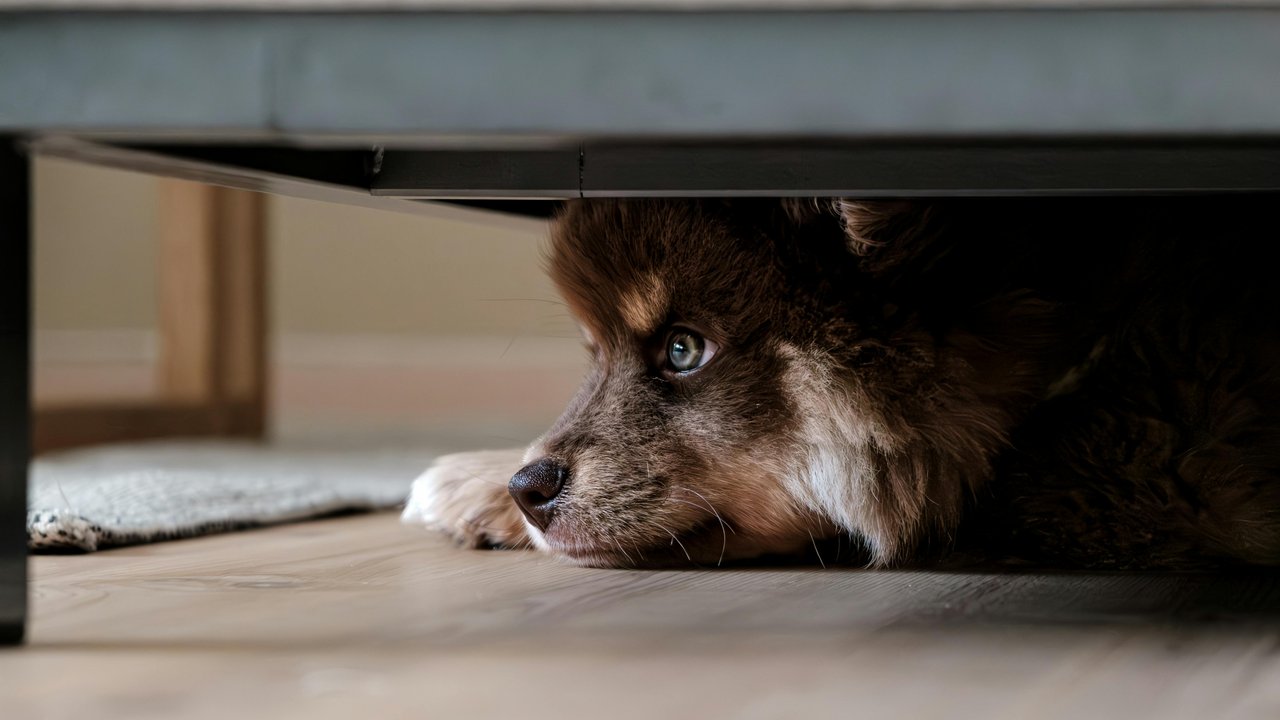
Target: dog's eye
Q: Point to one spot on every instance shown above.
(687, 351)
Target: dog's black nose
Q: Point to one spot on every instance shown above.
(535, 488)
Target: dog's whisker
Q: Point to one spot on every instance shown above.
(713, 510)
(700, 508)
(677, 542)
(505, 438)
(547, 301)
(815, 550)
(553, 318)
(471, 525)
(724, 536)
(621, 550)
(707, 505)
(526, 329)
(486, 481)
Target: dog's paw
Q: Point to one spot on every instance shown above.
(465, 496)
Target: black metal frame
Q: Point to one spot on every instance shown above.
(850, 169)
(395, 178)
(15, 370)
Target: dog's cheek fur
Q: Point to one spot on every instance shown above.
(891, 451)
(833, 454)
(898, 431)
(741, 427)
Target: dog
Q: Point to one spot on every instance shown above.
(1067, 382)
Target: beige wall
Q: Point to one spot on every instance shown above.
(335, 269)
(341, 269)
(95, 248)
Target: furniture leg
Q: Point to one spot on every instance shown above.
(15, 392)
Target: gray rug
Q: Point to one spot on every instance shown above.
(91, 499)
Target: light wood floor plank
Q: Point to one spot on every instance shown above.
(360, 617)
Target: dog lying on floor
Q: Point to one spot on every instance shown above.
(1062, 382)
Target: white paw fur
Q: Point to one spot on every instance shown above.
(465, 496)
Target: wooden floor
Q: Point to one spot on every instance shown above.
(359, 617)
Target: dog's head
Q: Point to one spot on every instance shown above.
(754, 387)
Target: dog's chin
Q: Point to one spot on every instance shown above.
(707, 544)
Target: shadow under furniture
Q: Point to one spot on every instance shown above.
(499, 108)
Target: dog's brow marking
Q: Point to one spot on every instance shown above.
(641, 305)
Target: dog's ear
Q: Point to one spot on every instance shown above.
(882, 232)
(805, 210)
(882, 226)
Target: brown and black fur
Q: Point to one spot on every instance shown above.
(1065, 382)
